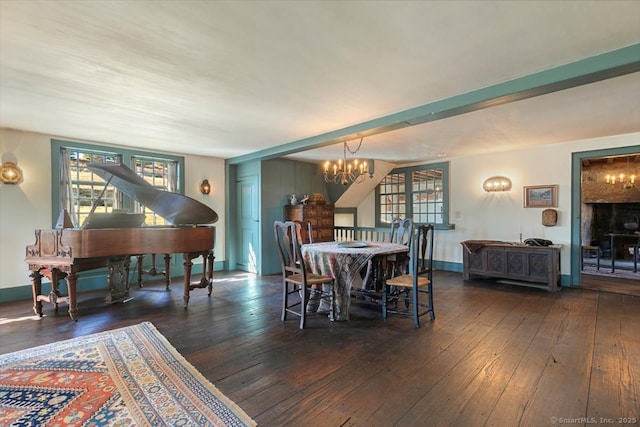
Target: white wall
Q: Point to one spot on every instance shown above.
(27, 206)
(501, 216)
(476, 214)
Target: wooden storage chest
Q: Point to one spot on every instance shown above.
(319, 215)
(536, 266)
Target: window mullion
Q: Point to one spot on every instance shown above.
(425, 194)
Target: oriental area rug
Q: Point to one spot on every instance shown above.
(124, 377)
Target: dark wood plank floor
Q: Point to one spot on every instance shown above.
(495, 355)
(612, 283)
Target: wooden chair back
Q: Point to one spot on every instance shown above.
(402, 231)
(287, 237)
(419, 281)
(305, 232)
(421, 260)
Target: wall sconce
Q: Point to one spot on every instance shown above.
(497, 183)
(205, 187)
(10, 173)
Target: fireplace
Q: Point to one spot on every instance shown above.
(607, 207)
(609, 218)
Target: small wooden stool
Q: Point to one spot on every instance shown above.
(587, 250)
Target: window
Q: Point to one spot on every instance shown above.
(79, 188)
(392, 197)
(420, 193)
(82, 188)
(161, 174)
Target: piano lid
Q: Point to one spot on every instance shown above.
(176, 208)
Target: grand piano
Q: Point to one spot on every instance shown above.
(110, 240)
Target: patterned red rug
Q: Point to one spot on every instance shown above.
(125, 377)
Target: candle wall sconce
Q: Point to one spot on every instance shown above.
(496, 183)
(10, 173)
(205, 187)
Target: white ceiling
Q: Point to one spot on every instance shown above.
(229, 78)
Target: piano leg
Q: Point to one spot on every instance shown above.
(71, 282)
(209, 276)
(187, 278)
(36, 287)
(167, 271)
(140, 271)
(207, 273)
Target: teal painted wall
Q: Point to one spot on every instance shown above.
(280, 179)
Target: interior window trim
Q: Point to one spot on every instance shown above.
(407, 171)
(127, 154)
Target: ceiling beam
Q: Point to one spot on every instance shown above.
(590, 70)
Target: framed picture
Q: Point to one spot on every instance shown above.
(541, 196)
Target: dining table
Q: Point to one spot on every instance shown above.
(344, 261)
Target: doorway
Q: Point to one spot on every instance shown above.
(248, 210)
(605, 233)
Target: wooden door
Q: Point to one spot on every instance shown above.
(248, 224)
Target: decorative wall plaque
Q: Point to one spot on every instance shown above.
(549, 217)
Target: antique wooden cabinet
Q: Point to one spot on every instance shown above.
(537, 266)
(319, 215)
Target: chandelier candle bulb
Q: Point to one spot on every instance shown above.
(628, 180)
(345, 171)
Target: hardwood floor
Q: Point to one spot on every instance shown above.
(495, 355)
(610, 284)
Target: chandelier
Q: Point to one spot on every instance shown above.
(627, 181)
(344, 172)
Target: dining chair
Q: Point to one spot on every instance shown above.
(419, 281)
(297, 283)
(305, 235)
(305, 232)
(302, 237)
(401, 232)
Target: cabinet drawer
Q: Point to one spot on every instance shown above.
(308, 213)
(325, 222)
(320, 217)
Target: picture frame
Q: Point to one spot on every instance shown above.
(541, 196)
